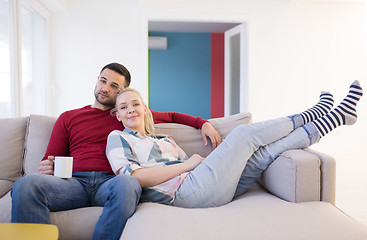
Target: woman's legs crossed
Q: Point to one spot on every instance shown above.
(214, 181)
(300, 138)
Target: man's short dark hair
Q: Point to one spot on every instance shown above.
(120, 69)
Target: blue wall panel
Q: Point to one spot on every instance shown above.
(180, 75)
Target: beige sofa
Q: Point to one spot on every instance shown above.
(294, 198)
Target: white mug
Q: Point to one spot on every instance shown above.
(63, 167)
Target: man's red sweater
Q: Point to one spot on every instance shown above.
(82, 133)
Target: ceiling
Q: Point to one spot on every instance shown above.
(212, 27)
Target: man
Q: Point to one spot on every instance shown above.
(82, 133)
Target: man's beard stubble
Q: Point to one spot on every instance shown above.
(109, 102)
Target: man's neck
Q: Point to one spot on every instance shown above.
(100, 106)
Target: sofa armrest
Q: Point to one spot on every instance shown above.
(301, 176)
(328, 176)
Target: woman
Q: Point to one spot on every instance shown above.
(167, 175)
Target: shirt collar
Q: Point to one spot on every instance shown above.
(131, 131)
(134, 133)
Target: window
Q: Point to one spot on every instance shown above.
(5, 90)
(23, 64)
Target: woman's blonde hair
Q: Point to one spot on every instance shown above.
(148, 118)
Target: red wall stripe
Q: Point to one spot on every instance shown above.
(217, 75)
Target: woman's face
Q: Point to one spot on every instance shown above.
(130, 111)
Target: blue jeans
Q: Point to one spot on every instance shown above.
(265, 155)
(223, 174)
(34, 196)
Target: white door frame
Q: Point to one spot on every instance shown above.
(231, 100)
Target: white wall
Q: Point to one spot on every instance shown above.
(297, 49)
(86, 36)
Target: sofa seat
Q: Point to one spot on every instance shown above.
(255, 215)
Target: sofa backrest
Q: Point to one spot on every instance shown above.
(190, 139)
(12, 137)
(37, 138)
(27, 138)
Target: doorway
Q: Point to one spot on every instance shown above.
(224, 98)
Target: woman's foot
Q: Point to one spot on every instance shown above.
(344, 114)
(320, 109)
(324, 106)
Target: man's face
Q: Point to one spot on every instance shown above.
(108, 84)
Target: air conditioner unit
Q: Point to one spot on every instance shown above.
(155, 42)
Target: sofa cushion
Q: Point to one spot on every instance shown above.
(255, 215)
(12, 137)
(5, 187)
(68, 222)
(38, 136)
(190, 140)
(5, 206)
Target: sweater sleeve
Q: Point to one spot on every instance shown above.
(181, 118)
(58, 144)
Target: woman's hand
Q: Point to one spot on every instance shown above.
(47, 166)
(193, 161)
(149, 177)
(208, 131)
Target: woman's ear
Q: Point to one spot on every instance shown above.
(118, 117)
(145, 109)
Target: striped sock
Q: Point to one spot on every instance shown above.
(320, 109)
(344, 114)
